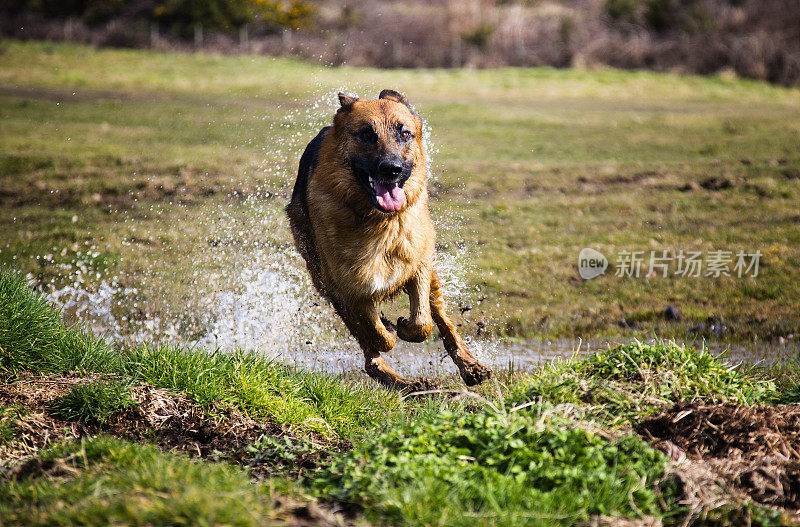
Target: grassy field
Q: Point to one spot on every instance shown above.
(98, 434)
(163, 175)
(131, 155)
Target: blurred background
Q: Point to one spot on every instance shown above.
(758, 39)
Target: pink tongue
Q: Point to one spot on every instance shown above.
(389, 195)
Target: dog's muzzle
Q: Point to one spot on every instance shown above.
(383, 180)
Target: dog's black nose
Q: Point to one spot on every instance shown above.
(391, 167)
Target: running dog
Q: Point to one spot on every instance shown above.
(359, 217)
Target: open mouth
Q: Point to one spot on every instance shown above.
(387, 196)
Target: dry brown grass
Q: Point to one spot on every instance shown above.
(170, 419)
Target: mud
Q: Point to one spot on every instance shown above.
(170, 420)
(725, 451)
(729, 430)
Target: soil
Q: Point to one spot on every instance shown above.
(171, 420)
(725, 451)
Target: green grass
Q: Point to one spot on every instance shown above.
(33, 335)
(678, 373)
(495, 469)
(108, 481)
(93, 402)
(530, 166)
(618, 386)
(266, 390)
(9, 418)
(551, 446)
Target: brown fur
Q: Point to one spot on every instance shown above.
(359, 256)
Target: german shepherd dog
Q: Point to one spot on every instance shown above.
(359, 216)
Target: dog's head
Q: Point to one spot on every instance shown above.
(381, 141)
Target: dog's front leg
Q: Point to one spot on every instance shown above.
(470, 369)
(364, 322)
(418, 327)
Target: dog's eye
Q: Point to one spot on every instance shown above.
(367, 134)
(405, 135)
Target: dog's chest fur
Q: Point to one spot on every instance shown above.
(376, 258)
(387, 260)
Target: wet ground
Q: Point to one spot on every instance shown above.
(430, 359)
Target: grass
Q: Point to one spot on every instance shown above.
(496, 469)
(34, 336)
(93, 402)
(107, 481)
(678, 373)
(133, 154)
(264, 389)
(618, 386)
(9, 417)
(551, 446)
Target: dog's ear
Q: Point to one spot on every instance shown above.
(392, 95)
(346, 101)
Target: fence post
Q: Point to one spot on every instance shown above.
(68, 28)
(154, 36)
(397, 51)
(287, 40)
(243, 38)
(455, 50)
(519, 27)
(198, 35)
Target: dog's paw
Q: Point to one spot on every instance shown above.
(474, 373)
(412, 332)
(423, 384)
(389, 325)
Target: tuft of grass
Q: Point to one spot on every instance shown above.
(94, 402)
(263, 389)
(674, 372)
(619, 386)
(9, 417)
(495, 468)
(33, 336)
(106, 481)
(610, 403)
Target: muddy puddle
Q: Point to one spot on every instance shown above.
(430, 359)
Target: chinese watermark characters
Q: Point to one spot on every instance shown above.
(687, 264)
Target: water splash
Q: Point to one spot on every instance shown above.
(249, 289)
